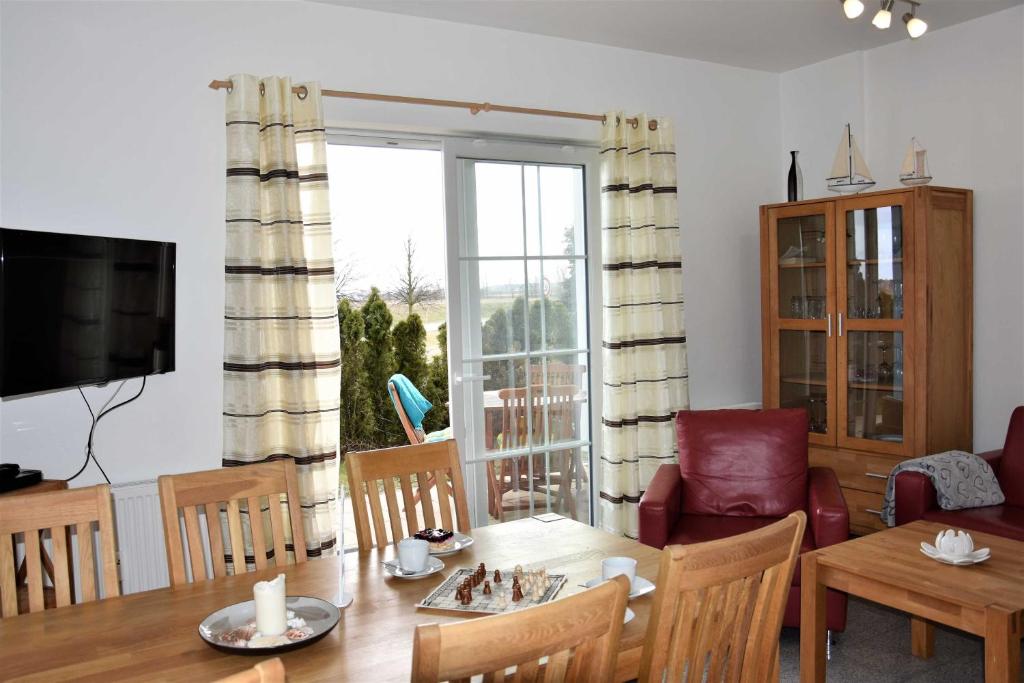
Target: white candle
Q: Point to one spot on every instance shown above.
(271, 613)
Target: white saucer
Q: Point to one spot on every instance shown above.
(974, 557)
(461, 541)
(641, 586)
(629, 616)
(392, 568)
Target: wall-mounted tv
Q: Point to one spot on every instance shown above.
(79, 310)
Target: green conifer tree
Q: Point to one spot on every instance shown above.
(380, 365)
(436, 389)
(356, 417)
(410, 342)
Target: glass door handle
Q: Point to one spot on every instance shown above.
(829, 316)
(876, 476)
(471, 378)
(840, 324)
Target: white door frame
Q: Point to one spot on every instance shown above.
(453, 150)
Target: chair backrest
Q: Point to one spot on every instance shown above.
(270, 671)
(56, 514)
(233, 492)
(743, 463)
(578, 634)
(414, 436)
(371, 471)
(517, 403)
(558, 373)
(719, 605)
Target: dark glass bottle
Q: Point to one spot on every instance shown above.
(795, 181)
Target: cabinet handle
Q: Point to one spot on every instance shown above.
(874, 512)
(829, 324)
(876, 476)
(840, 324)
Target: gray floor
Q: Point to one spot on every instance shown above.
(876, 647)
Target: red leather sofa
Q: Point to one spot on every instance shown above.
(915, 495)
(740, 470)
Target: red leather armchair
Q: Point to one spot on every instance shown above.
(915, 495)
(740, 470)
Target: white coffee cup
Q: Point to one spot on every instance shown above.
(615, 566)
(413, 554)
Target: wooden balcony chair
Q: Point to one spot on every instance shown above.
(56, 514)
(509, 479)
(579, 636)
(371, 471)
(559, 373)
(718, 608)
(234, 492)
(269, 671)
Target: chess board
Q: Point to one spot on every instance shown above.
(443, 597)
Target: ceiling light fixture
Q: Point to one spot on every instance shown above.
(852, 8)
(915, 26)
(883, 18)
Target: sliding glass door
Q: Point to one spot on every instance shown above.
(520, 288)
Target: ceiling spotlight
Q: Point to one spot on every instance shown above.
(915, 27)
(883, 18)
(852, 8)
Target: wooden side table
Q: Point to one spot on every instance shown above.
(888, 567)
(49, 599)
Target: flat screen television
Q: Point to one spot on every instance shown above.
(80, 310)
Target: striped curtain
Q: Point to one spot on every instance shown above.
(644, 339)
(281, 346)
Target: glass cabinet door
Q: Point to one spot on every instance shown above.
(802, 296)
(873, 297)
(802, 276)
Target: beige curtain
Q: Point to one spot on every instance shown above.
(644, 338)
(281, 347)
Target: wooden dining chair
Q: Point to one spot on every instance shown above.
(269, 671)
(371, 471)
(233, 492)
(56, 514)
(718, 607)
(579, 636)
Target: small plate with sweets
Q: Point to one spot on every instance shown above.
(444, 542)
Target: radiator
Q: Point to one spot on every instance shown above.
(140, 536)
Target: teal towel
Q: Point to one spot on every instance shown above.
(415, 405)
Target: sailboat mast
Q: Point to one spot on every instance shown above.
(849, 151)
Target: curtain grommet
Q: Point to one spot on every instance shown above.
(263, 89)
(302, 93)
(635, 123)
(652, 124)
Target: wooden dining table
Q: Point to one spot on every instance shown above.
(153, 636)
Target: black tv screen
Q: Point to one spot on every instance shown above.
(78, 310)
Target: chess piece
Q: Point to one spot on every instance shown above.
(517, 592)
(501, 601)
(497, 576)
(487, 587)
(459, 593)
(518, 571)
(481, 570)
(467, 598)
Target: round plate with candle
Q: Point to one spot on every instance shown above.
(233, 628)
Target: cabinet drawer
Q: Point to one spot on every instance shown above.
(864, 511)
(855, 470)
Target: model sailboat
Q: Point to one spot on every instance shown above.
(914, 170)
(849, 171)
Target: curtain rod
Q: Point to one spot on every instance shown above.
(473, 107)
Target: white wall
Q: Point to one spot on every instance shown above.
(960, 90)
(108, 128)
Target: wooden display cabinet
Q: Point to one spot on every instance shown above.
(866, 306)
